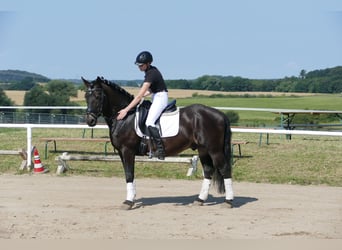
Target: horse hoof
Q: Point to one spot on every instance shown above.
(127, 205)
(198, 202)
(228, 204)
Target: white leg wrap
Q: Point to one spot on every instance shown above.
(229, 189)
(131, 192)
(204, 190)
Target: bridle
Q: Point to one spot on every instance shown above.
(95, 113)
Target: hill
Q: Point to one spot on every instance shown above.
(317, 81)
(15, 76)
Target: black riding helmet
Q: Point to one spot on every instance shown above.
(144, 57)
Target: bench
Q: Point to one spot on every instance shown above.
(21, 152)
(55, 139)
(63, 158)
(267, 135)
(237, 143)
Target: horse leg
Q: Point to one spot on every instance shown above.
(128, 164)
(225, 170)
(229, 192)
(208, 171)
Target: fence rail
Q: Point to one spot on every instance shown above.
(40, 118)
(220, 108)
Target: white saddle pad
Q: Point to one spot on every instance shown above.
(169, 124)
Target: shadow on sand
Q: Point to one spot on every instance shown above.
(239, 201)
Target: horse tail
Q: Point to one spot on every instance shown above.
(218, 178)
(227, 141)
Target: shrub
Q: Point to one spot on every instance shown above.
(233, 116)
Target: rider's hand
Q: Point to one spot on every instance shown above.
(121, 114)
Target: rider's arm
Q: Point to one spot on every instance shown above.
(147, 93)
(142, 92)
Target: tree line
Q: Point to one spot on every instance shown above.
(318, 81)
(53, 93)
(58, 92)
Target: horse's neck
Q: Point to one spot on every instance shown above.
(110, 121)
(114, 103)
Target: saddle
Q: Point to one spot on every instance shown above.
(143, 109)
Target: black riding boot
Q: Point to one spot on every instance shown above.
(154, 133)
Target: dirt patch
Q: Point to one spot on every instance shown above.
(17, 96)
(51, 207)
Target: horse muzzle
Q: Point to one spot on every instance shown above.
(91, 119)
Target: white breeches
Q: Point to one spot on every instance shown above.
(159, 102)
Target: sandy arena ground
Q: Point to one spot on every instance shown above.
(52, 207)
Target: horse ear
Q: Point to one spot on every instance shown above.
(86, 83)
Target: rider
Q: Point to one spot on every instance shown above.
(153, 84)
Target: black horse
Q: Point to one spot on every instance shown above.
(200, 127)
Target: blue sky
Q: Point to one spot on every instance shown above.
(259, 39)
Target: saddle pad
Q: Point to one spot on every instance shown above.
(169, 124)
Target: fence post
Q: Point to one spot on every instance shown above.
(29, 146)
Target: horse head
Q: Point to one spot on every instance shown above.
(104, 98)
(95, 99)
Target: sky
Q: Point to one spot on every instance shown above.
(257, 39)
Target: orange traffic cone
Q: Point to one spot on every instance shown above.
(38, 166)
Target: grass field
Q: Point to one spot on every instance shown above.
(319, 102)
(303, 160)
(18, 96)
(238, 99)
(257, 100)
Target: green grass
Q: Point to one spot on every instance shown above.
(324, 101)
(254, 118)
(304, 160)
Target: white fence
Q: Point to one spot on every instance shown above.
(29, 128)
(220, 108)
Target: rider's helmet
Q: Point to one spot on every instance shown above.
(144, 57)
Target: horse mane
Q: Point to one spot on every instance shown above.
(115, 87)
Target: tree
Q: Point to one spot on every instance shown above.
(4, 100)
(60, 92)
(55, 93)
(178, 84)
(36, 97)
(232, 116)
(300, 86)
(302, 74)
(26, 84)
(237, 84)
